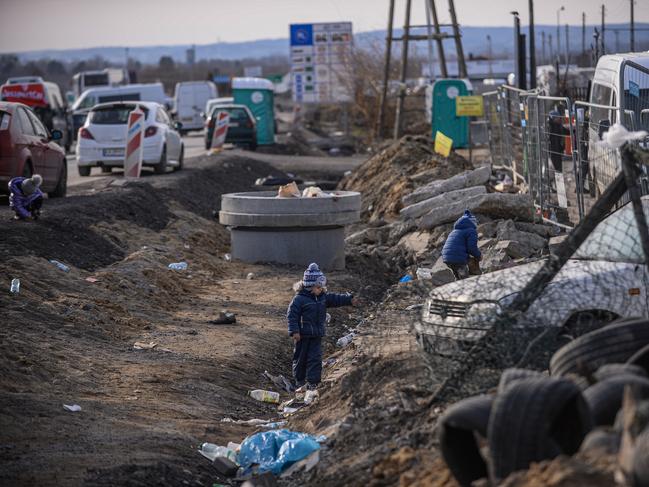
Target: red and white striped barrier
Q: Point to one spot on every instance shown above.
(134, 136)
(220, 130)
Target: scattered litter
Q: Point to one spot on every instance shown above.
(310, 397)
(251, 422)
(347, 173)
(275, 425)
(313, 192)
(178, 266)
(307, 464)
(212, 451)
(265, 396)
(92, 279)
(227, 257)
(406, 278)
(413, 307)
(224, 318)
(250, 276)
(15, 286)
(346, 340)
(275, 451)
(289, 190)
(280, 381)
(289, 410)
(329, 362)
(186, 246)
(424, 273)
(74, 407)
(225, 466)
(144, 345)
(60, 265)
(328, 318)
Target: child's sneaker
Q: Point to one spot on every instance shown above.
(301, 388)
(311, 387)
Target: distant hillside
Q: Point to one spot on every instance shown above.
(474, 41)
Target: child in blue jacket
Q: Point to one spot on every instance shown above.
(461, 245)
(306, 317)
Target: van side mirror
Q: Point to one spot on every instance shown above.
(178, 125)
(603, 126)
(56, 135)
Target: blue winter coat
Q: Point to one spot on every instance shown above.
(462, 241)
(18, 201)
(307, 312)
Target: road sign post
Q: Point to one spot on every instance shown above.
(134, 136)
(220, 130)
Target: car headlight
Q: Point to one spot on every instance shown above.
(505, 302)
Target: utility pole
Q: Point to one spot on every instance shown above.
(532, 47)
(545, 60)
(583, 36)
(551, 48)
(461, 64)
(559, 10)
(567, 45)
(490, 54)
(602, 33)
(440, 43)
(404, 71)
(596, 37)
(632, 38)
(386, 72)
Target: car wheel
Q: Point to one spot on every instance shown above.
(253, 146)
(84, 171)
(181, 158)
(161, 167)
(106, 169)
(457, 438)
(62, 185)
(615, 343)
(604, 399)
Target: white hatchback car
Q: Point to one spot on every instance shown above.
(606, 278)
(102, 138)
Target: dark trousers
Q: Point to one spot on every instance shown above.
(460, 271)
(307, 360)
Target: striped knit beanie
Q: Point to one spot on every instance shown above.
(313, 275)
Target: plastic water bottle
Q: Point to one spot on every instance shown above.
(178, 266)
(346, 340)
(15, 286)
(212, 451)
(265, 396)
(60, 265)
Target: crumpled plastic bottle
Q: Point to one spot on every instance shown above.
(346, 340)
(60, 265)
(212, 451)
(15, 286)
(178, 266)
(265, 396)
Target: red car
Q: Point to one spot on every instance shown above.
(27, 147)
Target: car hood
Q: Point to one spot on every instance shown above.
(496, 285)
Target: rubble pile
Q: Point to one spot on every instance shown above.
(396, 171)
(506, 230)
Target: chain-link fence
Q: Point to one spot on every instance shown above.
(472, 329)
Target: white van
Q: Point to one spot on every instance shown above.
(619, 93)
(189, 102)
(93, 96)
(213, 102)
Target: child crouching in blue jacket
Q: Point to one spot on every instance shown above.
(306, 317)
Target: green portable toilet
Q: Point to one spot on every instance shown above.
(257, 94)
(443, 118)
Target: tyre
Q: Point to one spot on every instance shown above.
(614, 343)
(641, 359)
(602, 440)
(62, 185)
(252, 146)
(533, 420)
(612, 370)
(509, 376)
(457, 429)
(161, 167)
(640, 465)
(605, 398)
(181, 159)
(84, 171)
(106, 169)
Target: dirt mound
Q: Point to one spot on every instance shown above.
(395, 171)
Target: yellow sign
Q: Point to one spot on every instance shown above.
(469, 106)
(443, 144)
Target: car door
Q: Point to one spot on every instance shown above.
(50, 157)
(173, 137)
(31, 142)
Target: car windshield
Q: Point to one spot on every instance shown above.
(113, 115)
(5, 118)
(87, 101)
(237, 114)
(616, 238)
(95, 79)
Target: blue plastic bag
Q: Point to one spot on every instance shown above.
(276, 450)
(406, 278)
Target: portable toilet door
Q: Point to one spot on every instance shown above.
(257, 95)
(444, 119)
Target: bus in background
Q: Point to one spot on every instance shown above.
(95, 79)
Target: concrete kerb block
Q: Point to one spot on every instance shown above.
(463, 180)
(419, 209)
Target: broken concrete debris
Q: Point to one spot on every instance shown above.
(467, 179)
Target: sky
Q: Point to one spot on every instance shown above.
(60, 24)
